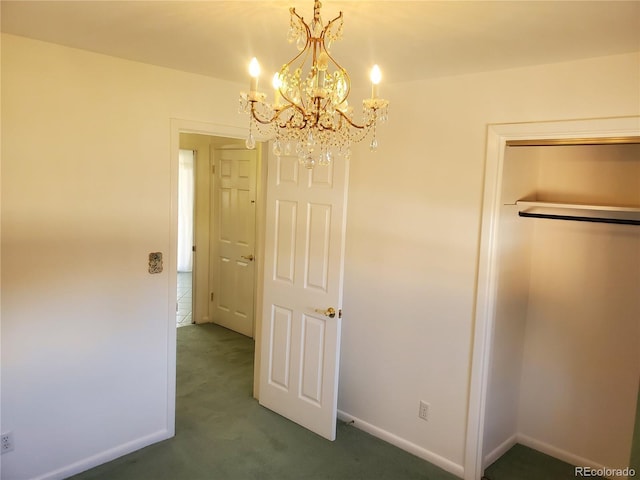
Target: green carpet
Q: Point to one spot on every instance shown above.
(523, 463)
(223, 434)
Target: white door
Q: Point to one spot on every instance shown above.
(234, 234)
(304, 250)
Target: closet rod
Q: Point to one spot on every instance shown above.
(547, 142)
(623, 221)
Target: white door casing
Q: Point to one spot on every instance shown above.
(235, 230)
(303, 277)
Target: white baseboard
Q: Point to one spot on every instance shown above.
(499, 451)
(405, 445)
(561, 454)
(106, 456)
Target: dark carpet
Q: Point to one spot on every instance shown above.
(524, 463)
(222, 433)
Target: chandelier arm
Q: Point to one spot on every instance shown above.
(353, 124)
(278, 112)
(335, 62)
(292, 10)
(284, 125)
(258, 119)
(303, 52)
(327, 28)
(335, 19)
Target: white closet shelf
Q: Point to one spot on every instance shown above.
(580, 212)
(577, 206)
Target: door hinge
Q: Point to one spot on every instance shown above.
(212, 296)
(193, 249)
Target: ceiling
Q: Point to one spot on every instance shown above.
(410, 40)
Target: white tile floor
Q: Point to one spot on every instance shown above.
(183, 315)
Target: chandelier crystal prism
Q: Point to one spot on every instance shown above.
(310, 114)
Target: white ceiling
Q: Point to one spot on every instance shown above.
(409, 39)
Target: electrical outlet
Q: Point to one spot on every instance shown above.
(423, 411)
(6, 442)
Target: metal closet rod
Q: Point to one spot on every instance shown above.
(625, 215)
(553, 216)
(550, 142)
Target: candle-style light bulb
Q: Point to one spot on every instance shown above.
(376, 76)
(277, 83)
(254, 71)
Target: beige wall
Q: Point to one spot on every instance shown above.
(85, 198)
(412, 236)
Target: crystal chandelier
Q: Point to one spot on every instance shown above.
(310, 113)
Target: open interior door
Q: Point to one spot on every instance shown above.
(302, 302)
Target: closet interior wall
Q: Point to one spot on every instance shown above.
(565, 359)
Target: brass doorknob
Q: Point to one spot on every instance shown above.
(329, 312)
(248, 257)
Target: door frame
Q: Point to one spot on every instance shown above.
(178, 126)
(486, 284)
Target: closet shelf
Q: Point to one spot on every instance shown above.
(580, 212)
(577, 206)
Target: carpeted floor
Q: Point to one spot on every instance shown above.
(223, 434)
(523, 463)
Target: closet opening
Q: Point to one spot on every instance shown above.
(558, 313)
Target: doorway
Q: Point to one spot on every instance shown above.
(320, 233)
(217, 203)
(178, 127)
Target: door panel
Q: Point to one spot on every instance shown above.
(312, 359)
(225, 290)
(225, 230)
(304, 250)
(285, 241)
(245, 232)
(317, 254)
(280, 338)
